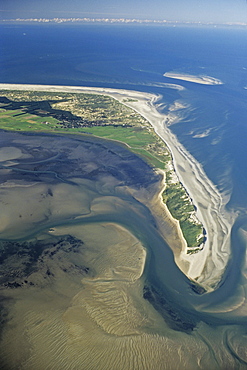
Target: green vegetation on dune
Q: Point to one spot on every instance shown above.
(182, 209)
(105, 117)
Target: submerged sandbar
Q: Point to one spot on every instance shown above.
(201, 79)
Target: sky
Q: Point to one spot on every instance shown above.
(217, 11)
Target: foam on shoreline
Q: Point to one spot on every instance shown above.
(208, 265)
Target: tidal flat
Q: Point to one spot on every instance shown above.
(87, 279)
(72, 255)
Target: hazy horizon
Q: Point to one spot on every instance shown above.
(219, 11)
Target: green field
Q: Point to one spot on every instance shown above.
(18, 120)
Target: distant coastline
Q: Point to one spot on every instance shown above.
(126, 21)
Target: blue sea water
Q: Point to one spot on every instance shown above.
(214, 124)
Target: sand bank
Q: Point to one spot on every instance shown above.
(205, 80)
(95, 320)
(208, 265)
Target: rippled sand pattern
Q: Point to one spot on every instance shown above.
(107, 324)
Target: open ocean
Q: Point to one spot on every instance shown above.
(214, 124)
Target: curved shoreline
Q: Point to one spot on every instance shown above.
(208, 265)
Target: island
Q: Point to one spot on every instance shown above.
(131, 118)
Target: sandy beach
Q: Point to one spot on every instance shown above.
(208, 265)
